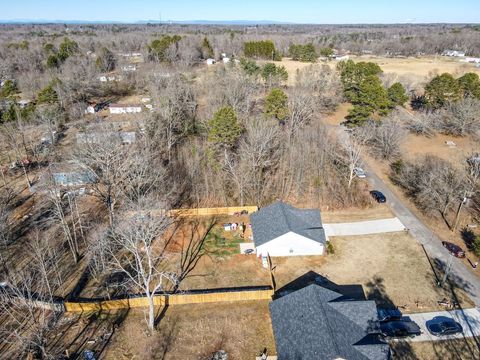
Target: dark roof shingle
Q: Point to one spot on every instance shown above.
(280, 218)
(317, 323)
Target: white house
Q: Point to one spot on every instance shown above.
(472, 60)
(341, 57)
(226, 60)
(282, 230)
(110, 77)
(126, 137)
(125, 108)
(129, 68)
(211, 61)
(454, 53)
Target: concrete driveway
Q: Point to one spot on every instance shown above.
(468, 318)
(364, 227)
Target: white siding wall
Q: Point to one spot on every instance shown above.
(125, 110)
(290, 244)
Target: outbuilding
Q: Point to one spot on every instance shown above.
(283, 230)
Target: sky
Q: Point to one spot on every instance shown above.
(297, 11)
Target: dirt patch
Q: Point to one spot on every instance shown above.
(392, 268)
(242, 329)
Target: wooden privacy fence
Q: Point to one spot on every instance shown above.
(212, 211)
(264, 293)
(202, 211)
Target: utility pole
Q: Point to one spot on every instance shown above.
(457, 215)
(447, 271)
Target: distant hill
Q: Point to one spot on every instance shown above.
(193, 22)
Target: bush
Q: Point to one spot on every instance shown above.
(330, 248)
(276, 105)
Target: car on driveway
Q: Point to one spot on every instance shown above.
(442, 325)
(455, 250)
(378, 196)
(399, 329)
(359, 172)
(385, 315)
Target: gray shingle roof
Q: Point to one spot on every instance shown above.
(280, 218)
(316, 323)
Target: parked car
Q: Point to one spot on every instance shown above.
(385, 315)
(442, 325)
(249, 251)
(378, 196)
(359, 172)
(455, 250)
(399, 329)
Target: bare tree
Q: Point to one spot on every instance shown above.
(461, 118)
(105, 161)
(383, 138)
(351, 155)
(137, 248)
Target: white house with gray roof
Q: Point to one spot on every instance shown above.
(283, 230)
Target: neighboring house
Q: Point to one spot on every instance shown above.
(454, 53)
(127, 137)
(341, 57)
(125, 108)
(211, 61)
(108, 78)
(282, 230)
(317, 323)
(73, 178)
(472, 60)
(129, 68)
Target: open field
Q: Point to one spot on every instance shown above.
(392, 268)
(415, 145)
(195, 332)
(412, 67)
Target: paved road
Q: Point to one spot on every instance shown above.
(460, 274)
(364, 227)
(468, 318)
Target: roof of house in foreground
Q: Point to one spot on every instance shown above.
(317, 323)
(280, 218)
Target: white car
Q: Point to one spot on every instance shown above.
(359, 173)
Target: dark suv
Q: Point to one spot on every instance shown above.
(378, 196)
(399, 329)
(455, 250)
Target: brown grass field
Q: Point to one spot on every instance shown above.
(418, 68)
(242, 329)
